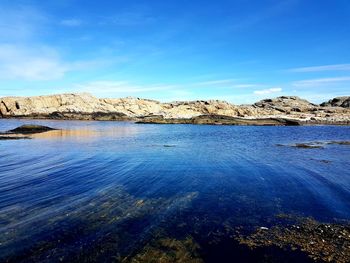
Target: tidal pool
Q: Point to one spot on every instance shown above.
(125, 192)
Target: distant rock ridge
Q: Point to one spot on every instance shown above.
(286, 103)
(87, 107)
(338, 102)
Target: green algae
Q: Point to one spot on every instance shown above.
(323, 242)
(115, 226)
(169, 250)
(100, 228)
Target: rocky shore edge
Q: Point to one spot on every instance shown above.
(280, 111)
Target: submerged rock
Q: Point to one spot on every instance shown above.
(339, 142)
(315, 145)
(169, 250)
(307, 146)
(321, 161)
(320, 241)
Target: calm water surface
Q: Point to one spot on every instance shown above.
(102, 191)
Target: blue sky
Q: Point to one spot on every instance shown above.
(239, 50)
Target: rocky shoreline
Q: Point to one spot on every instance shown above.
(220, 120)
(280, 111)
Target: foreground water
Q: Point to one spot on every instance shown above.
(109, 191)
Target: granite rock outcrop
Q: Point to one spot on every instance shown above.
(84, 106)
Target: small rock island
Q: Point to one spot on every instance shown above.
(30, 129)
(24, 131)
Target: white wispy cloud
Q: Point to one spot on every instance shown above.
(335, 67)
(224, 83)
(71, 22)
(214, 82)
(168, 92)
(133, 17)
(28, 61)
(276, 9)
(247, 85)
(321, 81)
(119, 87)
(267, 91)
(35, 63)
(39, 62)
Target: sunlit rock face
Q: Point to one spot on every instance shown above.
(131, 107)
(83, 102)
(87, 107)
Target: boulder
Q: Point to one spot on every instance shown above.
(343, 102)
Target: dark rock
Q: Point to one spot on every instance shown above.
(30, 129)
(311, 145)
(296, 109)
(339, 142)
(315, 145)
(338, 102)
(307, 146)
(321, 161)
(8, 138)
(292, 103)
(219, 120)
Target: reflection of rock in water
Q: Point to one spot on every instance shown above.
(12, 137)
(169, 250)
(88, 134)
(320, 241)
(107, 227)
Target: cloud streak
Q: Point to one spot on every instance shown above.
(71, 22)
(119, 87)
(214, 82)
(169, 91)
(321, 81)
(39, 63)
(133, 17)
(335, 67)
(267, 91)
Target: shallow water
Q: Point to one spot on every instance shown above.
(103, 191)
